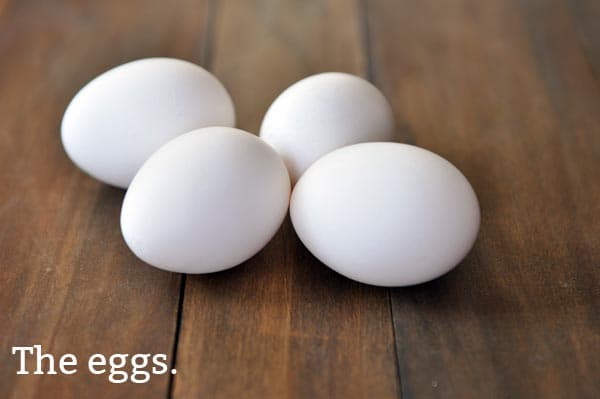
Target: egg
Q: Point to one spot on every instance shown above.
(385, 214)
(323, 112)
(206, 201)
(120, 118)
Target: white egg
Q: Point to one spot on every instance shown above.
(121, 117)
(323, 112)
(206, 201)
(386, 214)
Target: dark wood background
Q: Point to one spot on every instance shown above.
(507, 90)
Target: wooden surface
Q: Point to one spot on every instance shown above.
(508, 91)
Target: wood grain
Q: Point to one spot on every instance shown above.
(68, 282)
(509, 91)
(505, 92)
(283, 325)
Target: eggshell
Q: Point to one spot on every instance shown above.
(121, 117)
(386, 214)
(323, 112)
(206, 201)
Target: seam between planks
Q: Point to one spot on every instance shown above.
(396, 358)
(366, 40)
(208, 41)
(370, 75)
(182, 281)
(206, 51)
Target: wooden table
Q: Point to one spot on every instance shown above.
(507, 90)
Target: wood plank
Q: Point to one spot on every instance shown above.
(282, 324)
(68, 281)
(502, 90)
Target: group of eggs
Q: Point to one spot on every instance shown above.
(203, 196)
